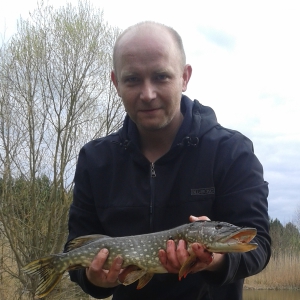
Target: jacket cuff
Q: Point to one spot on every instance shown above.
(226, 274)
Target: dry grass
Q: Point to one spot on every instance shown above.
(282, 272)
(12, 289)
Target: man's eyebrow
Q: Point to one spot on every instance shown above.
(127, 74)
(162, 71)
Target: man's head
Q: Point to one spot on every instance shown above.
(150, 25)
(150, 74)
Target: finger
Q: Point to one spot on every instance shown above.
(168, 257)
(115, 269)
(162, 257)
(94, 272)
(172, 258)
(203, 256)
(201, 218)
(182, 253)
(99, 260)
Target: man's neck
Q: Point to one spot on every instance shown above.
(156, 143)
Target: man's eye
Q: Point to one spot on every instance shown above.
(131, 79)
(161, 77)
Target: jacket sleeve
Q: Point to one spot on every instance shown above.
(241, 199)
(83, 220)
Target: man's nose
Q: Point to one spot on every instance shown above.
(148, 91)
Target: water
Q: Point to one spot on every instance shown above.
(270, 295)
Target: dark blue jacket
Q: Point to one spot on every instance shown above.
(209, 171)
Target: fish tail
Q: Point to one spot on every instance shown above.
(49, 274)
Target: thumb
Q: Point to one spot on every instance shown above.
(202, 218)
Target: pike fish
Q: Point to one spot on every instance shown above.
(140, 252)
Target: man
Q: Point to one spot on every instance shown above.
(171, 161)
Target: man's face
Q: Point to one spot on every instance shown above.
(150, 77)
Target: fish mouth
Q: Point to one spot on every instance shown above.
(236, 242)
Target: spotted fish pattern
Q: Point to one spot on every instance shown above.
(140, 252)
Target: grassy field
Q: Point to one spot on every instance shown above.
(282, 272)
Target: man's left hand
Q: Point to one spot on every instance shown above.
(174, 257)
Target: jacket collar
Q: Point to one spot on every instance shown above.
(198, 119)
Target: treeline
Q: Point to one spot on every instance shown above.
(285, 238)
(55, 95)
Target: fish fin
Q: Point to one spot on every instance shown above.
(49, 275)
(187, 266)
(134, 276)
(144, 280)
(83, 240)
(126, 271)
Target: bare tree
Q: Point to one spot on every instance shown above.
(55, 94)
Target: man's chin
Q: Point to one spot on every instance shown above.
(152, 126)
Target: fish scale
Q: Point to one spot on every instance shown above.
(140, 252)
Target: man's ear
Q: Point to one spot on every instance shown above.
(187, 73)
(114, 79)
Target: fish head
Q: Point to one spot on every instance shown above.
(222, 237)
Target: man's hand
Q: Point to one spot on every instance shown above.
(174, 257)
(104, 278)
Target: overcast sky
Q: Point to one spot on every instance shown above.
(246, 65)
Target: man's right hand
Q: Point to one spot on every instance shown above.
(104, 278)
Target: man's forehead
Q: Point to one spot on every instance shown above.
(150, 46)
(142, 35)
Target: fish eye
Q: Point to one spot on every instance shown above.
(218, 226)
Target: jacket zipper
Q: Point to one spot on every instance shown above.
(153, 174)
(152, 188)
